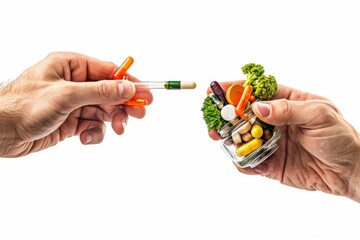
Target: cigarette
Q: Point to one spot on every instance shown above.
(141, 102)
(169, 85)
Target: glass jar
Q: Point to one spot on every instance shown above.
(248, 141)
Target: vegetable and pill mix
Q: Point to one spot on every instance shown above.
(223, 109)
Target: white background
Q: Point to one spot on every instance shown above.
(164, 178)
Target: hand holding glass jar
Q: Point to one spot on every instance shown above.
(318, 149)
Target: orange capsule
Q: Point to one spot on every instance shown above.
(136, 102)
(123, 68)
(120, 73)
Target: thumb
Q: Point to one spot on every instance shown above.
(100, 92)
(286, 112)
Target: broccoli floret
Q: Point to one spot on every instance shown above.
(252, 71)
(265, 87)
(212, 115)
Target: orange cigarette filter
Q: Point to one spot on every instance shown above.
(123, 68)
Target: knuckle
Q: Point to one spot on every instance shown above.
(326, 111)
(52, 54)
(104, 90)
(65, 96)
(285, 109)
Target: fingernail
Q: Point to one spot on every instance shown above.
(126, 89)
(261, 168)
(264, 109)
(124, 124)
(89, 139)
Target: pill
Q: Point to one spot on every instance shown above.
(256, 131)
(236, 137)
(216, 101)
(123, 68)
(244, 128)
(228, 141)
(138, 102)
(247, 137)
(235, 121)
(249, 147)
(266, 135)
(218, 91)
(225, 130)
(228, 112)
(234, 93)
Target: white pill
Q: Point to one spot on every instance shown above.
(236, 137)
(228, 112)
(244, 128)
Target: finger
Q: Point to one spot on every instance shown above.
(214, 135)
(94, 112)
(143, 93)
(247, 170)
(117, 115)
(136, 112)
(294, 94)
(286, 112)
(106, 113)
(79, 68)
(84, 68)
(91, 132)
(98, 70)
(119, 122)
(99, 92)
(131, 78)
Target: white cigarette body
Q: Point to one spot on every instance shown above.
(165, 85)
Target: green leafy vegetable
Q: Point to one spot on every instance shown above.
(212, 115)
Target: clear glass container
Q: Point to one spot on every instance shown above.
(248, 141)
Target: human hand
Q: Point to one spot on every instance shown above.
(318, 148)
(64, 95)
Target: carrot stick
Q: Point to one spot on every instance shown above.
(244, 100)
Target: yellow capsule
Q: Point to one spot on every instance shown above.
(249, 147)
(256, 131)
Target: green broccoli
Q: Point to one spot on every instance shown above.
(252, 71)
(212, 115)
(264, 87)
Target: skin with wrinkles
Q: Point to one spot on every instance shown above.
(64, 95)
(319, 149)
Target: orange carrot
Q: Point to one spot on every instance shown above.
(244, 100)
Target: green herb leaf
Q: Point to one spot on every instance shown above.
(212, 115)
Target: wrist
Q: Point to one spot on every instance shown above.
(7, 124)
(354, 180)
